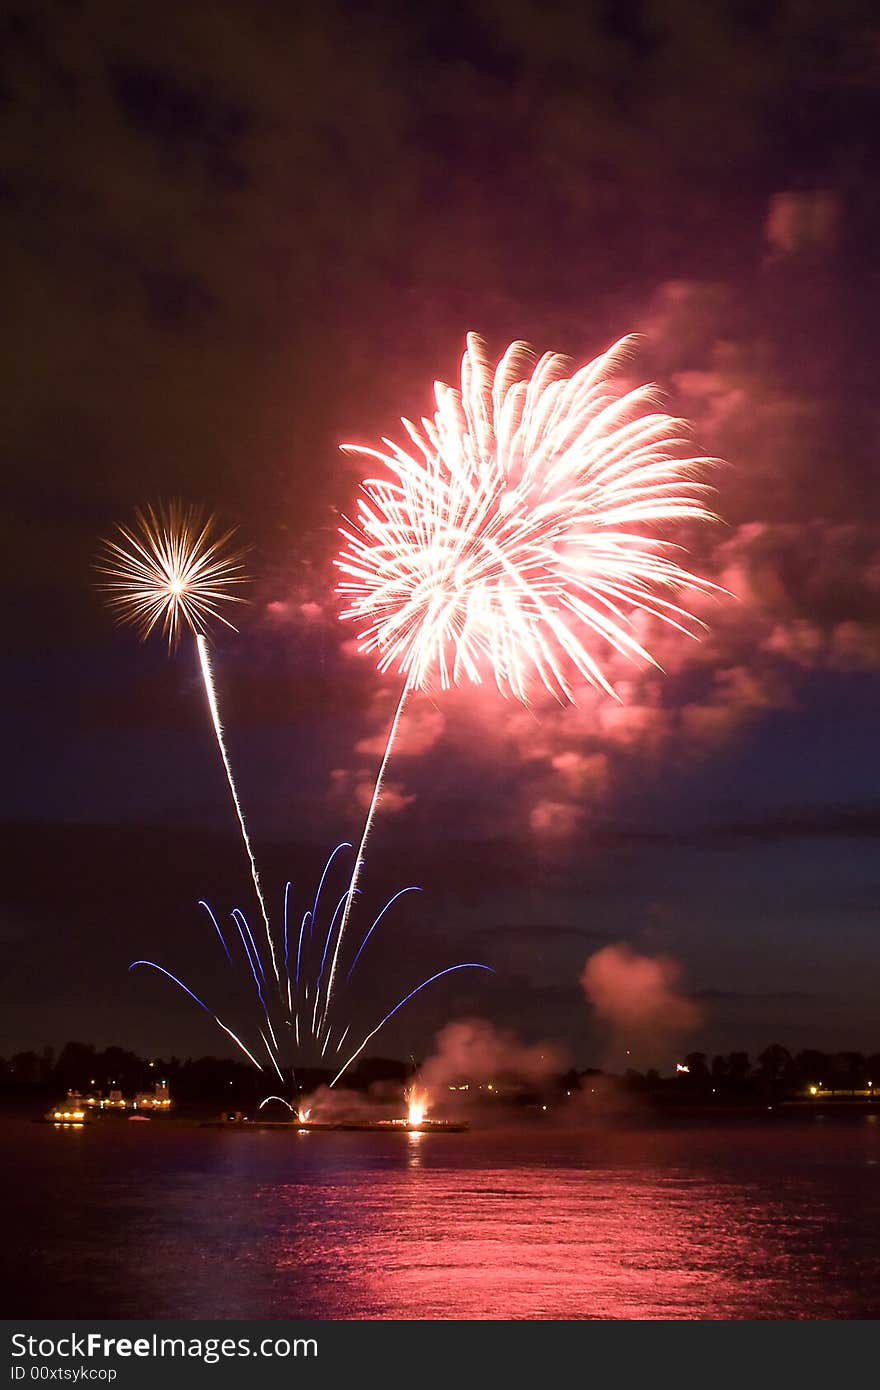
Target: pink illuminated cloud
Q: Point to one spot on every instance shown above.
(638, 994)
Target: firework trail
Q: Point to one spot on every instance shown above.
(170, 571)
(359, 859)
(517, 531)
(266, 1100)
(202, 1005)
(390, 903)
(208, 680)
(210, 912)
(465, 965)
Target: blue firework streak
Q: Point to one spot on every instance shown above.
(297, 1016)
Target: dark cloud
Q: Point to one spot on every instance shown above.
(181, 119)
(858, 822)
(823, 822)
(723, 996)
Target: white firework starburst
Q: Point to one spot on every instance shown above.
(520, 527)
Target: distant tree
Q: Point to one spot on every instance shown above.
(214, 1076)
(75, 1066)
(776, 1070)
(373, 1069)
(848, 1071)
(25, 1068)
(121, 1068)
(774, 1062)
(812, 1068)
(696, 1065)
(720, 1069)
(738, 1067)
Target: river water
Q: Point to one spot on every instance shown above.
(720, 1220)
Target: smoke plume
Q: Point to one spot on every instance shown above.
(471, 1050)
(638, 996)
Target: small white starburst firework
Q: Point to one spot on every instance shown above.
(170, 570)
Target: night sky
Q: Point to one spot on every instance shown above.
(234, 236)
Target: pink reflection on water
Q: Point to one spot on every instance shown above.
(649, 1237)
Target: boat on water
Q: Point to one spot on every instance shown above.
(70, 1111)
(79, 1109)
